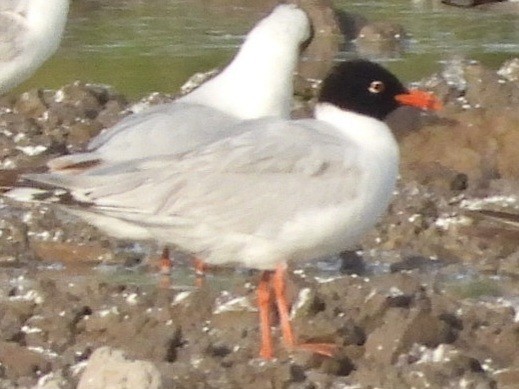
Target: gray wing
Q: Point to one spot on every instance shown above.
(166, 129)
(269, 173)
(12, 32)
(171, 128)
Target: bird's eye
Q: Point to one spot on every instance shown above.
(376, 87)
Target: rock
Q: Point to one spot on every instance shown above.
(510, 265)
(349, 23)
(507, 378)
(79, 99)
(79, 134)
(400, 331)
(509, 7)
(196, 80)
(111, 113)
(460, 3)
(478, 144)
(406, 120)
(109, 368)
(72, 253)
(13, 314)
(30, 104)
(485, 90)
(41, 123)
(381, 39)
(310, 317)
(19, 361)
(468, 3)
(323, 47)
(468, 84)
(381, 31)
(510, 70)
(435, 364)
(53, 381)
(48, 333)
(14, 237)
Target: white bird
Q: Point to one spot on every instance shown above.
(274, 191)
(30, 32)
(257, 83)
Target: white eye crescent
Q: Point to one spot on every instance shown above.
(376, 87)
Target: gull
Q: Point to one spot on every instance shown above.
(257, 83)
(273, 191)
(30, 32)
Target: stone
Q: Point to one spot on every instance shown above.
(110, 368)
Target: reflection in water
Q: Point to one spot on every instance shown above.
(155, 45)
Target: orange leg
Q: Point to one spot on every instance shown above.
(264, 292)
(326, 349)
(282, 305)
(200, 268)
(165, 262)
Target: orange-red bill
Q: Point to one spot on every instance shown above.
(420, 99)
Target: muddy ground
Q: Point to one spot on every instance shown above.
(429, 300)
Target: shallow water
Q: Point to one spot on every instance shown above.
(140, 47)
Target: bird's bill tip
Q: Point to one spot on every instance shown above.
(420, 99)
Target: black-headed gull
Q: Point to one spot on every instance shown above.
(30, 32)
(257, 83)
(273, 191)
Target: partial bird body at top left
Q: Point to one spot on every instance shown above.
(30, 32)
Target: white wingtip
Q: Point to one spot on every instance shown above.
(24, 194)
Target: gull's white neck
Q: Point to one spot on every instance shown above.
(377, 157)
(370, 133)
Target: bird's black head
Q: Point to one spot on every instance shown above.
(364, 87)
